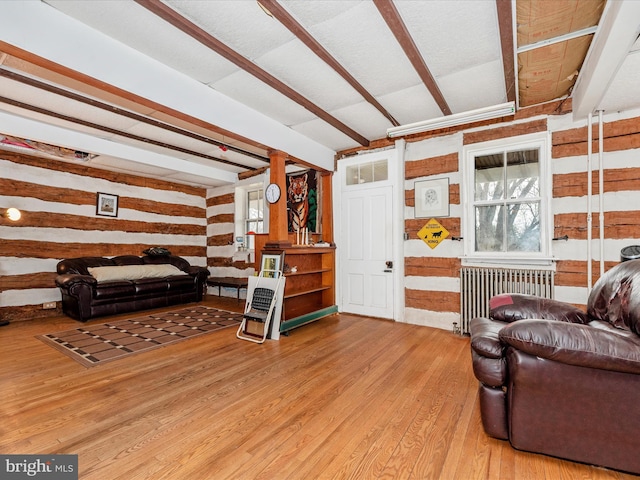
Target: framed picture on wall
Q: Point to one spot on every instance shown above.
(432, 198)
(107, 205)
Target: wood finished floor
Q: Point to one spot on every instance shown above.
(345, 397)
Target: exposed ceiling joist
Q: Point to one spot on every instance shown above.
(158, 80)
(174, 18)
(17, 126)
(125, 113)
(284, 17)
(505, 24)
(393, 19)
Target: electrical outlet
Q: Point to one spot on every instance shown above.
(49, 305)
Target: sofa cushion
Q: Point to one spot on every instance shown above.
(146, 286)
(510, 307)
(580, 345)
(133, 272)
(114, 290)
(180, 282)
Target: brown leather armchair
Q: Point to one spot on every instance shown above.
(562, 382)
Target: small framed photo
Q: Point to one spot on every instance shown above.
(271, 263)
(107, 205)
(432, 198)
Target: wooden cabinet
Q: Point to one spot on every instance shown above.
(309, 292)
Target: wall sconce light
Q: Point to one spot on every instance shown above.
(486, 113)
(12, 214)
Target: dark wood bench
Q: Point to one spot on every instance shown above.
(228, 282)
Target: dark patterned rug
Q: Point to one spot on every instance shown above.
(96, 344)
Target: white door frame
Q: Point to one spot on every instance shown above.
(396, 180)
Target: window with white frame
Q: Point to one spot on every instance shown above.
(254, 215)
(250, 215)
(507, 214)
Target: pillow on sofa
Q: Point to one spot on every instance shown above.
(133, 272)
(156, 252)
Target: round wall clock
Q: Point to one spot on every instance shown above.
(272, 193)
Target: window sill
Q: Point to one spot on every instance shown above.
(547, 263)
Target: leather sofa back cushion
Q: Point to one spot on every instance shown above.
(509, 307)
(580, 345)
(133, 272)
(615, 297)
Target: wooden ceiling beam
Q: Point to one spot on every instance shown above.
(114, 131)
(286, 19)
(128, 114)
(505, 24)
(178, 21)
(394, 21)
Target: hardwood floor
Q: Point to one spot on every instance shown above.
(344, 397)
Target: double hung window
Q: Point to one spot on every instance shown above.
(507, 211)
(254, 216)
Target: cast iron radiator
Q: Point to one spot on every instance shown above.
(478, 285)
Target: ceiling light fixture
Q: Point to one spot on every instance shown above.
(486, 113)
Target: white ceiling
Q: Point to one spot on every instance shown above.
(122, 54)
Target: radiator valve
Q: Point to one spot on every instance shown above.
(456, 328)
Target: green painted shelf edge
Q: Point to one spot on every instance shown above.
(306, 318)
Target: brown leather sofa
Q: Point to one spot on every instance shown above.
(560, 381)
(97, 286)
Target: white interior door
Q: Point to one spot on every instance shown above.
(367, 260)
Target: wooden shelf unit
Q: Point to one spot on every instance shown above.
(309, 292)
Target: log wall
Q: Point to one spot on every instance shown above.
(432, 286)
(58, 204)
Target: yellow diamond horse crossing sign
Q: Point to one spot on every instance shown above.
(433, 233)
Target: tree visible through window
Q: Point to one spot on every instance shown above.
(507, 200)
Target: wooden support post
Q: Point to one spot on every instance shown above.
(278, 220)
(326, 221)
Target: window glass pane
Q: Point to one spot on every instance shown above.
(254, 204)
(489, 177)
(523, 177)
(352, 175)
(523, 227)
(380, 171)
(366, 173)
(490, 228)
(255, 226)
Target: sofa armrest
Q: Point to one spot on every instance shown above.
(485, 338)
(201, 272)
(488, 352)
(67, 281)
(575, 344)
(510, 307)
